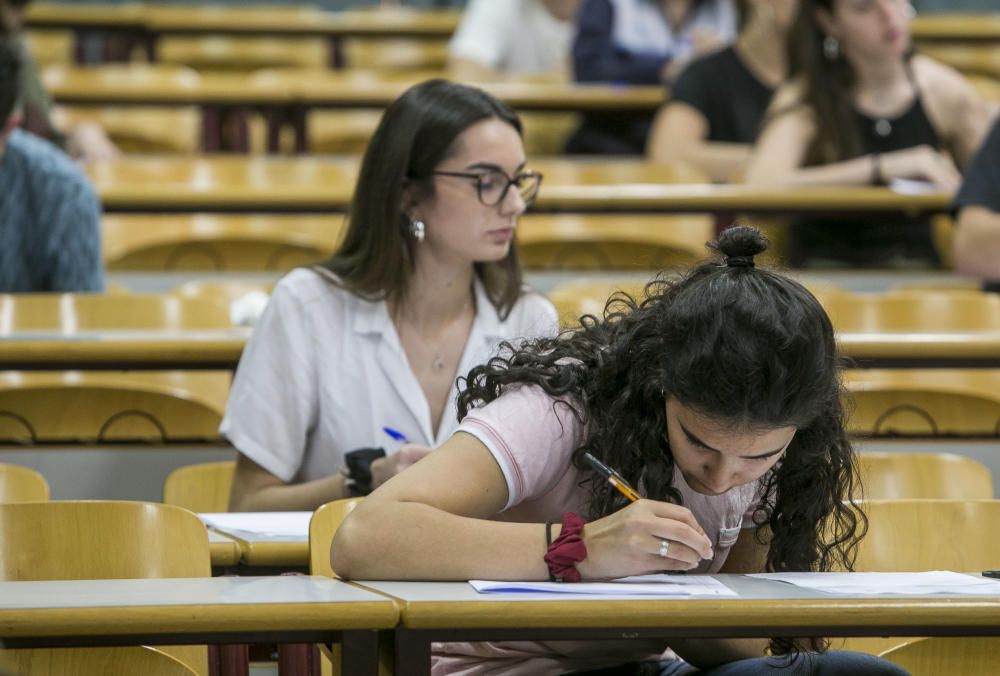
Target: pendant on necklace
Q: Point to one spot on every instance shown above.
(883, 127)
(438, 362)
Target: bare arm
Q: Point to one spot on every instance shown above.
(955, 108)
(435, 520)
(977, 243)
(680, 134)
(257, 490)
(780, 152)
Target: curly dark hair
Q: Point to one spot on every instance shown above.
(737, 343)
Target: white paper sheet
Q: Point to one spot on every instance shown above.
(910, 584)
(284, 526)
(647, 585)
(909, 186)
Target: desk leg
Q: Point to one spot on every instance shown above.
(413, 653)
(228, 660)
(359, 653)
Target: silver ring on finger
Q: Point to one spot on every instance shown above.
(664, 549)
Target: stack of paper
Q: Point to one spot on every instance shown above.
(911, 584)
(647, 585)
(283, 526)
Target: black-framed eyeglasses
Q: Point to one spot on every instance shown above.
(493, 185)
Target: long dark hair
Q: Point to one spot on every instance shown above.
(416, 133)
(739, 344)
(10, 77)
(827, 86)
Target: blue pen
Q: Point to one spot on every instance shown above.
(396, 435)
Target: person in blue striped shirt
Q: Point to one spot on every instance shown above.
(49, 213)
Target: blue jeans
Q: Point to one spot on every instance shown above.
(832, 663)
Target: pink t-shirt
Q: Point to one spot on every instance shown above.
(533, 442)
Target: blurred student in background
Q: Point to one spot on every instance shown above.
(50, 237)
(977, 237)
(860, 108)
(85, 140)
(640, 42)
(522, 37)
(718, 102)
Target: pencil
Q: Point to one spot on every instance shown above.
(613, 477)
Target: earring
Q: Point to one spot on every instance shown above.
(831, 48)
(417, 230)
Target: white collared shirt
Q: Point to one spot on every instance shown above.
(324, 372)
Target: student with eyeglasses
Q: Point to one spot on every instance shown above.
(350, 375)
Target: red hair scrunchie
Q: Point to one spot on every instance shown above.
(567, 550)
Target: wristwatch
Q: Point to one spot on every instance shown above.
(358, 470)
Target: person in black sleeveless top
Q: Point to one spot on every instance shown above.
(860, 108)
(718, 103)
(977, 237)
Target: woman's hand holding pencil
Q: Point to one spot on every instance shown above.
(647, 536)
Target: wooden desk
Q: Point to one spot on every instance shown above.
(325, 184)
(956, 28)
(279, 609)
(288, 554)
(123, 350)
(453, 611)
(138, 23)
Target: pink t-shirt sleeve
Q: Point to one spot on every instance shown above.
(532, 437)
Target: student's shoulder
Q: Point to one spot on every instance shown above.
(313, 288)
(43, 164)
(533, 311)
(941, 83)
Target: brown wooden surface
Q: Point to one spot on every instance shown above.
(82, 312)
(93, 540)
(124, 661)
(22, 484)
(311, 184)
(956, 27)
(924, 402)
(272, 20)
(92, 407)
(213, 242)
(958, 655)
(202, 487)
(322, 527)
(902, 475)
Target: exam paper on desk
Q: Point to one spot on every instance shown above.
(911, 584)
(284, 526)
(645, 585)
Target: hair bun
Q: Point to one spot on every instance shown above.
(739, 244)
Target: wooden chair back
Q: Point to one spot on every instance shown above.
(924, 402)
(893, 476)
(915, 311)
(395, 54)
(574, 299)
(103, 539)
(917, 535)
(124, 661)
(200, 488)
(217, 243)
(100, 539)
(235, 54)
(22, 484)
(140, 129)
(607, 242)
(966, 655)
(322, 527)
(101, 406)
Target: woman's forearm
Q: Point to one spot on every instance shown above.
(857, 171)
(288, 497)
(414, 541)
